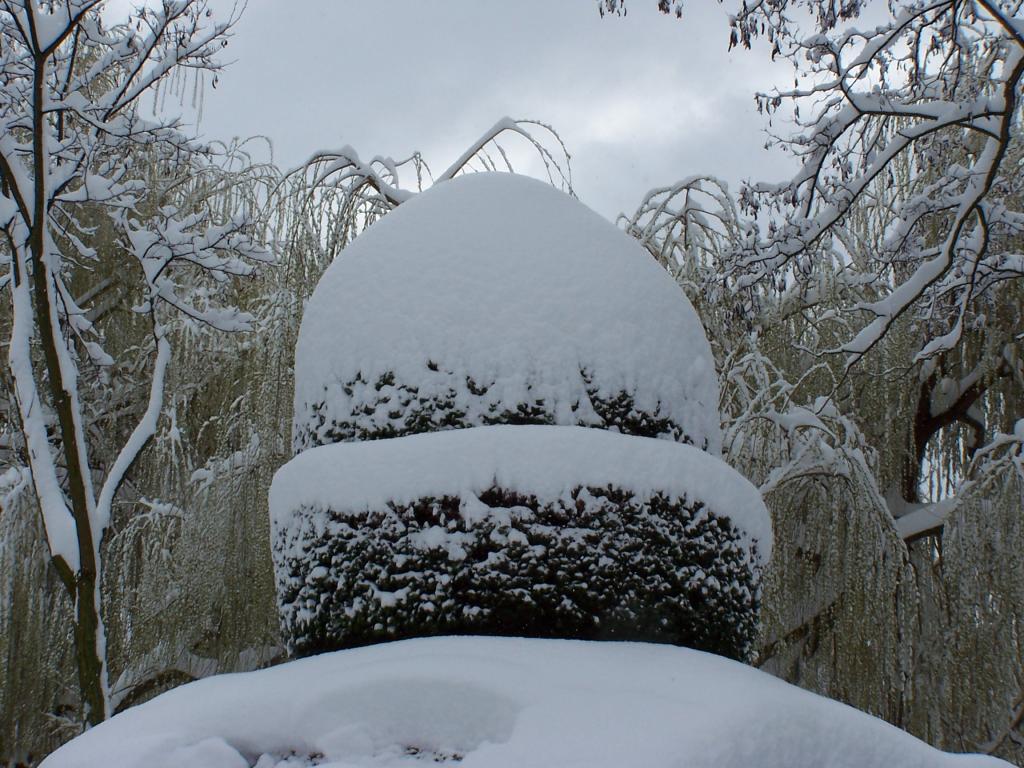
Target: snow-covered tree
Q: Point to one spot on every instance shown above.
(912, 128)
(866, 320)
(84, 186)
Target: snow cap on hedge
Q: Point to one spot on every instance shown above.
(497, 281)
(542, 461)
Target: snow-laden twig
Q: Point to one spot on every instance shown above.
(369, 189)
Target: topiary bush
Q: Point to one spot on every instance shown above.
(496, 299)
(599, 564)
(389, 408)
(477, 381)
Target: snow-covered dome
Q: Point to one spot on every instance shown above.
(495, 298)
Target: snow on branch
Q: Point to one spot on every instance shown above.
(920, 114)
(779, 438)
(555, 158)
(369, 189)
(937, 88)
(994, 462)
(691, 221)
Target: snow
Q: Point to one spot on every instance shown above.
(501, 281)
(61, 530)
(545, 461)
(913, 520)
(500, 703)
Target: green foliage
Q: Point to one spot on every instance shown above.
(392, 408)
(600, 565)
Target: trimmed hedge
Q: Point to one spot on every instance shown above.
(599, 565)
(388, 408)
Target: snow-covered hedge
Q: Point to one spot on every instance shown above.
(517, 530)
(388, 408)
(496, 299)
(478, 381)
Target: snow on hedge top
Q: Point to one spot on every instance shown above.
(543, 461)
(476, 702)
(498, 281)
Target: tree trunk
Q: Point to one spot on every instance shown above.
(91, 665)
(82, 587)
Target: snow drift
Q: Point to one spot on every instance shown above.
(500, 703)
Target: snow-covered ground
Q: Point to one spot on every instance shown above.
(500, 703)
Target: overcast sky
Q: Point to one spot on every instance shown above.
(640, 101)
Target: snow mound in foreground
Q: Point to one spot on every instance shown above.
(500, 703)
(492, 299)
(538, 531)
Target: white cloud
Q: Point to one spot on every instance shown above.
(640, 101)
